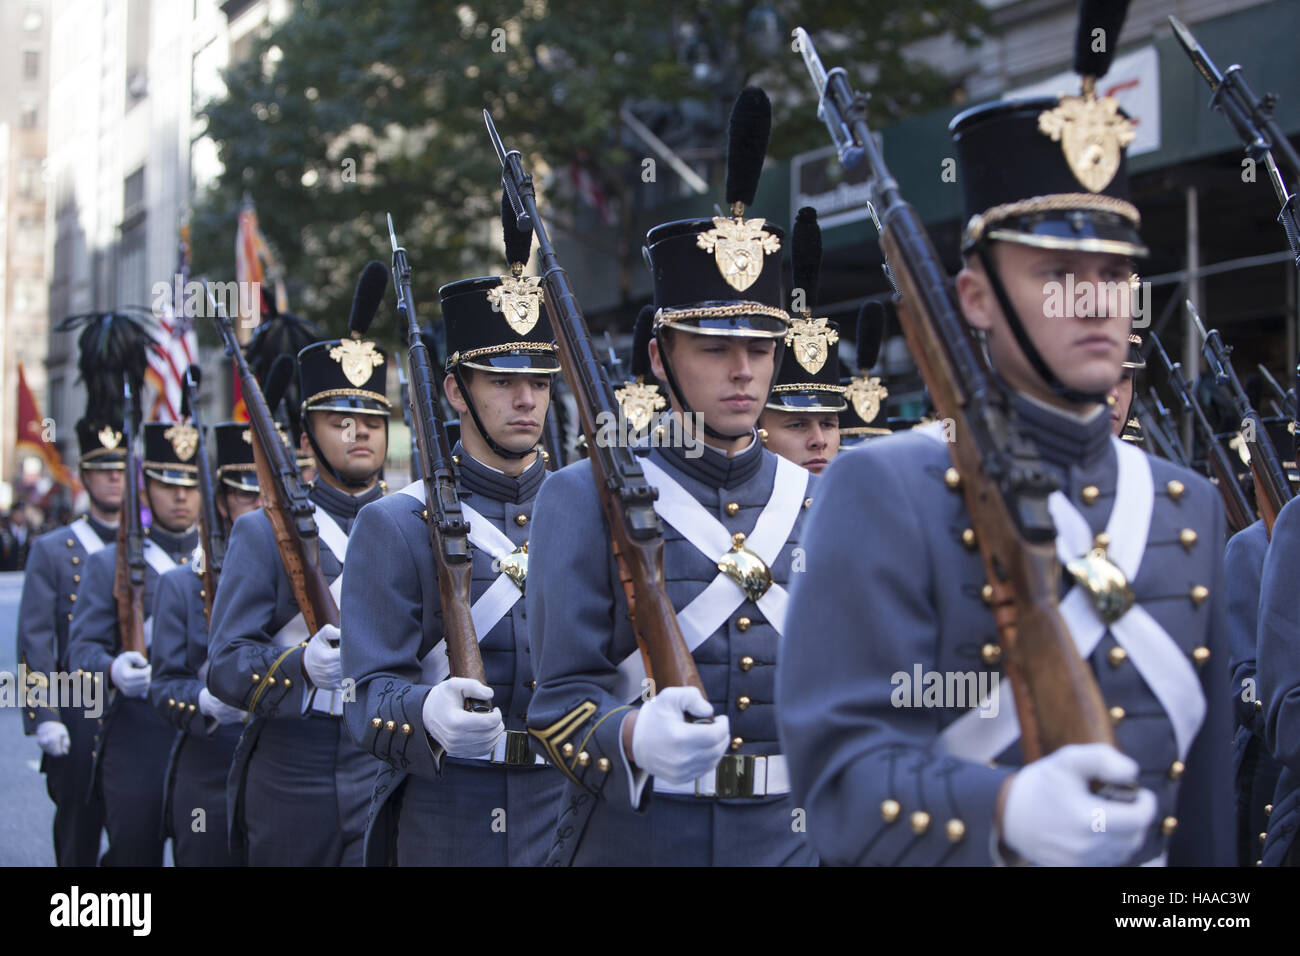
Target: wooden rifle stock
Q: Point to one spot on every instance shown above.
(129, 567)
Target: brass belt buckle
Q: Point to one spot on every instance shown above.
(517, 752)
(735, 776)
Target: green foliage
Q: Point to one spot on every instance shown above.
(346, 111)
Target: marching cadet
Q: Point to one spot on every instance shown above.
(54, 569)
(451, 774)
(209, 729)
(893, 588)
(133, 741)
(1119, 400)
(864, 393)
(801, 420)
(649, 781)
(299, 786)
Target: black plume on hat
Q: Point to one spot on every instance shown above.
(277, 381)
(195, 373)
(806, 255)
(368, 296)
(284, 334)
(519, 243)
(642, 333)
(748, 133)
(871, 333)
(1106, 16)
(114, 347)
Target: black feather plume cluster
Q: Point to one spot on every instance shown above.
(519, 244)
(113, 349)
(748, 133)
(282, 334)
(1094, 51)
(871, 333)
(641, 335)
(806, 255)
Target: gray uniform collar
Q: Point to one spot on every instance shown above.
(107, 533)
(1064, 439)
(480, 479)
(175, 545)
(712, 467)
(342, 505)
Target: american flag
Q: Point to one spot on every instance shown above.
(175, 344)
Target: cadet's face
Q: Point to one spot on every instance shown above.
(809, 439)
(1075, 306)
(725, 379)
(175, 507)
(511, 405)
(236, 503)
(1120, 397)
(354, 443)
(104, 487)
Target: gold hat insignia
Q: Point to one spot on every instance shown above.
(247, 435)
(865, 394)
(109, 437)
(639, 403)
(519, 299)
(810, 340)
(738, 246)
(1091, 132)
(359, 360)
(184, 439)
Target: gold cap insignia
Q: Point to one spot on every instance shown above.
(1091, 132)
(519, 299)
(810, 340)
(359, 360)
(184, 439)
(247, 435)
(865, 394)
(639, 403)
(738, 246)
(108, 437)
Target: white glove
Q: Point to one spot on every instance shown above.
(218, 710)
(461, 733)
(666, 745)
(1052, 819)
(52, 737)
(321, 659)
(131, 673)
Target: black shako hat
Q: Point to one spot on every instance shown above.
(100, 444)
(344, 375)
(235, 464)
(171, 453)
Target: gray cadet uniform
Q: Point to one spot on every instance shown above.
(431, 809)
(203, 750)
(887, 784)
(1256, 771)
(580, 632)
(299, 785)
(55, 565)
(133, 742)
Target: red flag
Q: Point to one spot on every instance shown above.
(32, 435)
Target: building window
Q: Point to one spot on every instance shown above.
(32, 18)
(29, 116)
(133, 194)
(31, 64)
(29, 179)
(132, 270)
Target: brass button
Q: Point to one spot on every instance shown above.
(733, 509)
(1168, 825)
(76, 560)
(736, 742)
(1089, 494)
(991, 654)
(584, 759)
(171, 701)
(76, 579)
(72, 597)
(455, 459)
(952, 479)
(762, 434)
(956, 831)
(986, 594)
(521, 520)
(1101, 540)
(390, 726)
(1187, 538)
(920, 821)
(1200, 655)
(68, 542)
(1199, 593)
(1175, 489)
(190, 708)
(889, 811)
(1263, 837)
(603, 765)
(285, 681)
(807, 503)
(406, 729)
(746, 662)
(376, 722)
(185, 560)
(1259, 704)
(69, 615)
(1116, 656)
(257, 678)
(1176, 770)
(742, 623)
(270, 681)
(742, 703)
(968, 538)
(532, 685)
(567, 750)
(1116, 714)
(1268, 809)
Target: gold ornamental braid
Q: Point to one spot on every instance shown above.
(346, 393)
(669, 316)
(1056, 202)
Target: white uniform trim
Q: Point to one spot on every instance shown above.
(86, 535)
(700, 619)
(771, 777)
